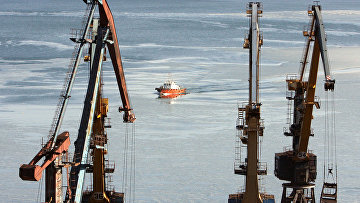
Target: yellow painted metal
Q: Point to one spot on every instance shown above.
(99, 140)
(309, 103)
(310, 35)
(99, 192)
(252, 194)
(246, 44)
(86, 58)
(104, 106)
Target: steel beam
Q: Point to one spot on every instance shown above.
(82, 143)
(309, 102)
(66, 95)
(320, 32)
(254, 55)
(106, 19)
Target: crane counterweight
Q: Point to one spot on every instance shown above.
(33, 172)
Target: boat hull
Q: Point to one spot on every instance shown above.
(170, 93)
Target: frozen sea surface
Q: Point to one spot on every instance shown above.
(185, 146)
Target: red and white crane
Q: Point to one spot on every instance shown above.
(97, 34)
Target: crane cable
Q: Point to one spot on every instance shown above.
(128, 178)
(325, 135)
(134, 161)
(125, 159)
(39, 193)
(132, 165)
(330, 159)
(334, 134)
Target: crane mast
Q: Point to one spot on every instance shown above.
(251, 126)
(298, 165)
(97, 33)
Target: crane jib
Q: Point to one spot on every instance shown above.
(254, 56)
(321, 35)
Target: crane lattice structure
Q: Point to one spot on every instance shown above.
(98, 34)
(298, 164)
(250, 125)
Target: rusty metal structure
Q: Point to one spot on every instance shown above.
(98, 33)
(249, 124)
(298, 164)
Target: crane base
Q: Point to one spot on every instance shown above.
(115, 197)
(237, 198)
(298, 193)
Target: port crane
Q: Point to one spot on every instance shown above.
(98, 33)
(249, 123)
(298, 164)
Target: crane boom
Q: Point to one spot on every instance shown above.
(321, 36)
(318, 49)
(65, 94)
(309, 102)
(106, 19)
(254, 57)
(317, 30)
(82, 143)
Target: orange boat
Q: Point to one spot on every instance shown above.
(170, 90)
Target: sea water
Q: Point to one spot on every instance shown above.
(184, 146)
